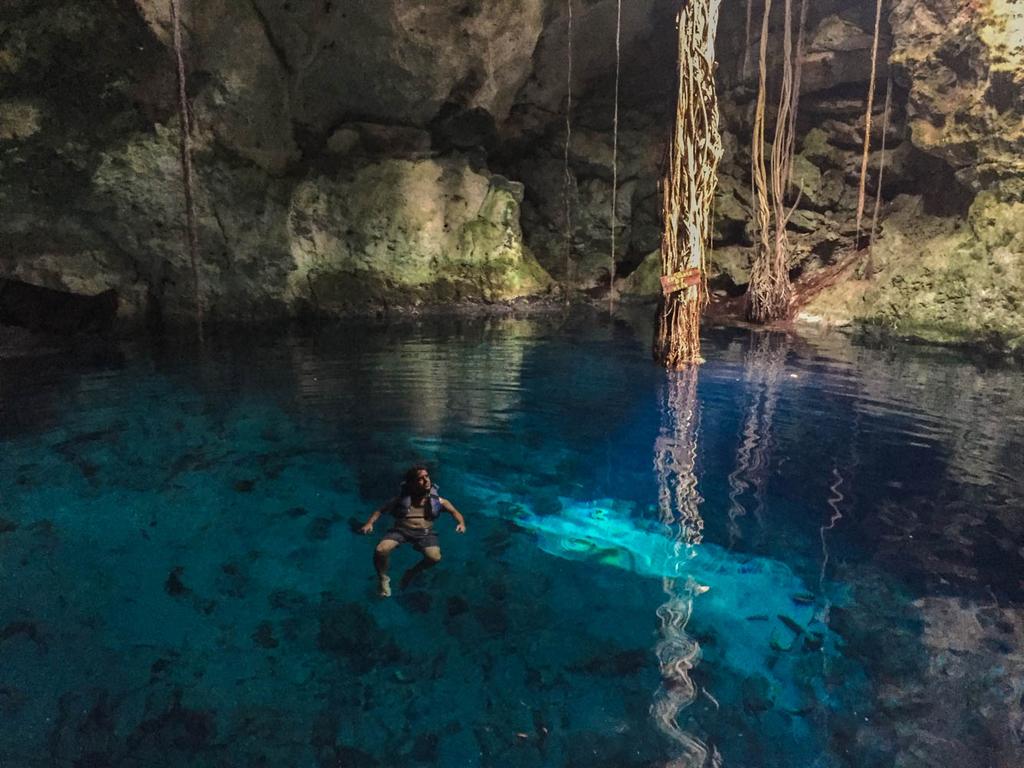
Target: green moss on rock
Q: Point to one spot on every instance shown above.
(941, 282)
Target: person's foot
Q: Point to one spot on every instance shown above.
(384, 586)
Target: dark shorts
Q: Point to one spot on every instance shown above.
(419, 539)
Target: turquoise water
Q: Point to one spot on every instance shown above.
(807, 554)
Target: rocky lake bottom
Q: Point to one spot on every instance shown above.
(807, 552)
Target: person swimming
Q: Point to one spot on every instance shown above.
(414, 510)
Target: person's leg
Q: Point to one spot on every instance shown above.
(380, 561)
(431, 557)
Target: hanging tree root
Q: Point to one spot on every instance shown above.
(567, 186)
(769, 294)
(869, 266)
(615, 155)
(185, 146)
(868, 110)
(688, 189)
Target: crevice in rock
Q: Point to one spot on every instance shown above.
(279, 52)
(46, 309)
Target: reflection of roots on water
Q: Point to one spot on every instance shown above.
(835, 499)
(679, 507)
(764, 366)
(677, 654)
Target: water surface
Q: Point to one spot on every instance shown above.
(807, 553)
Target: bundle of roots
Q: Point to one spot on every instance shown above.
(688, 189)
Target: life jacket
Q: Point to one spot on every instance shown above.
(433, 510)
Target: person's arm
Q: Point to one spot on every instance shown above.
(460, 521)
(368, 526)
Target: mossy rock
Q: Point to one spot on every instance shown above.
(645, 280)
(940, 282)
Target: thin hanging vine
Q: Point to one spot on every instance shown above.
(615, 154)
(688, 189)
(769, 293)
(862, 190)
(869, 267)
(798, 72)
(568, 141)
(745, 66)
(185, 145)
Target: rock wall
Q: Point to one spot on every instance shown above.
(355, 156)
(958, 276)
(324, 181)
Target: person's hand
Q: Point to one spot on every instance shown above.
(368, 528)
(460, 528)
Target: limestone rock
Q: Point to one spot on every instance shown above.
(733, 262)
(645, 281)
(839, 53)
(939, 281)
(592, 21)
(965, 70)
(732, 213)
(817, 148)
(592, 237)
(387, 61)
(379, 140)
(809, 181)
(404, 232)
(138, 203)
(19, 119)
(247, 105)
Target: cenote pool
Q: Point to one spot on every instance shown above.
(809, 553)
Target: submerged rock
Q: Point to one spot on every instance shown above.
(349, 633)
(617, 664)
(758, 695)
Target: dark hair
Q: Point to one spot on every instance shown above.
(411, 475)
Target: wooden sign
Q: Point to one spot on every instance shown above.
(680, 280)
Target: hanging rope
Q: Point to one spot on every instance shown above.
(861, 194)
(185, 125)
(675, 464)
(869, 269)
(615, 154)
(568, 173)
(688, 189)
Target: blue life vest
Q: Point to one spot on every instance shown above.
(433, 511)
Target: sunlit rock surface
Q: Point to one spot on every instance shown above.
(941, 280)
(964, 65)
(406, 232)
(394, 232)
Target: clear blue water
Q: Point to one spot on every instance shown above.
(809, 555)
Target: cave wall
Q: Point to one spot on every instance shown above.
(337, 146)
(355, 155)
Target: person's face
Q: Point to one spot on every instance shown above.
(422, 483)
